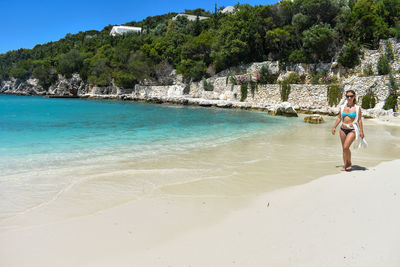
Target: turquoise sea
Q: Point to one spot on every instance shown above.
(49, 146)
(37, 130)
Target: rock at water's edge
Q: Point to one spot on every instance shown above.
(316, 119)
(285, 109)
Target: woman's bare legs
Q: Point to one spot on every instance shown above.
(347, 140)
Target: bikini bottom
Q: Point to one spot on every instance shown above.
(346, 131)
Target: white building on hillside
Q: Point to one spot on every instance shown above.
(124, 29)
(189, 17)
(228, 9)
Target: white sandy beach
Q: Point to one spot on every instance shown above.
(346, 219)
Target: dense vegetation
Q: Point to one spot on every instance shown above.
(290, 31)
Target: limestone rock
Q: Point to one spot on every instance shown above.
(315, 118)
(376, 112)
(285, 109)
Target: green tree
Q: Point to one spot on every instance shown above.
(199, 48)
(192, 69)
(100, 72)
(19, 73)
(366, 26)
(239, 38)
(389, 50)
(125, 79)
(389, 10)
(45, 73)
(22, 70)
(383, 65)
(70, 62)
(139, 65)
(318, 11)
(317, 41)
(349, 56)
(298, 56)
(278, 40)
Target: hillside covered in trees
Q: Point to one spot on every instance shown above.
(308, 31)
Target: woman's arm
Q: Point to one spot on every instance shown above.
(336, 124)
(360, 123)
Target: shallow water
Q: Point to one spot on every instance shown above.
(93, 152)
(105, 153)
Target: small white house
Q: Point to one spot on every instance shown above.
(189, 17)
(124, 29)
(228, 9)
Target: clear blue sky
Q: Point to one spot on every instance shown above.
(25, 23)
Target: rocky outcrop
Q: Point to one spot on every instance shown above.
(314, 119)
(273, 67)
(63, 86)
(285, 109)
(371, 57)
(28, 87)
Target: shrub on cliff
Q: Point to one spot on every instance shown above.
(349, 56)
(192, 69)
(334, 94)
(265, 76)
(293, 78)
(243, 91)
(393, 86)
(317, 76)
(391, 101)
(285, 90)
(125, 79)
(389, 50)
(243, 81)
(232, 79)
(253, 87)
(207, 86)
(368, 101)
(298, 56)
(383, 65)
(368, 71)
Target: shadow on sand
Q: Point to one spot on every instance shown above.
(358, 168)
(354, 168)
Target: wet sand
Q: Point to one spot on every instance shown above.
(100, 218)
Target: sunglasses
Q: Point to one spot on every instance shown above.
(349, 96)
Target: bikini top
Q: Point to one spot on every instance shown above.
(351, 114)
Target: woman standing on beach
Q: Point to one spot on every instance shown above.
(351, 128)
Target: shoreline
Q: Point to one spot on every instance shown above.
(346, 219)
(202, 102)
